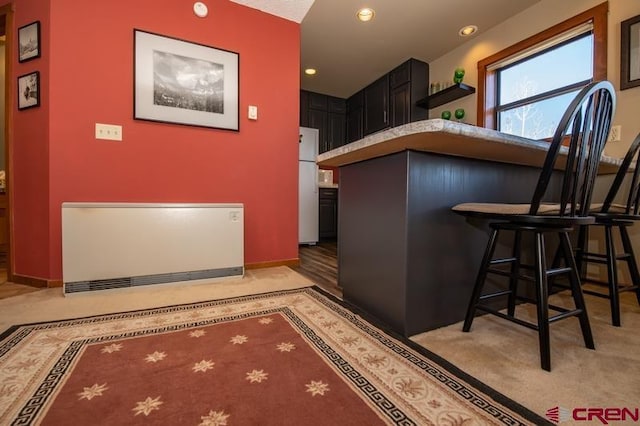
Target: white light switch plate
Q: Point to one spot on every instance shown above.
(253, 112)
(616, 133)
(110, 132)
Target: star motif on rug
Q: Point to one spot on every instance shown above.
(286, 347)
(114, 347)
(257, 376)
(265, 321)
(197, 333)
(155, 357)
(214, 418)
(147, 406)
(203, 366)
(317, 388)
(93, 391)
(238, 340)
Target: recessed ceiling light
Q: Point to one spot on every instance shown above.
(310, 71)
(365, 14)
(468, 30)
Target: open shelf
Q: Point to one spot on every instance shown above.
(457, 91)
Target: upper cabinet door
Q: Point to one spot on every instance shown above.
(400, 105)
(376, 105)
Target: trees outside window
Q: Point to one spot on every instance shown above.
(524, 89)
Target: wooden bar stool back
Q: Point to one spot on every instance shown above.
(610, 215)
(584, 126)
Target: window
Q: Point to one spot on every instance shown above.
(525, 89)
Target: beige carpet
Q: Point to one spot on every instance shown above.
(505, 356)
(51, 304)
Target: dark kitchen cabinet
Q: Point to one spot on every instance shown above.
(400, 104)
(328, 115)
(328, 213)
(389, 101)
(336, 129)
(376, 105)
(336, 122)
(318, 101)
(355, 117)
(304, 108)
(318, 120)
(408, 83)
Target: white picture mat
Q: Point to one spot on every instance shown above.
(634, 52)
(145, 44)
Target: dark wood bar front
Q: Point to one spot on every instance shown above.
(403, 256)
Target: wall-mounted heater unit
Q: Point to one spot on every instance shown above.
(118, 245)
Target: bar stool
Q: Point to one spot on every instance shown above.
(585, 126)
(610, 215)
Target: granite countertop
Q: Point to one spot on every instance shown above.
(327, 185)
(450, 138)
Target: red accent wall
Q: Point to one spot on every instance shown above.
(87, 74)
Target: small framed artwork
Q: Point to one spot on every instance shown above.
(29, 42)
(630, 53)
(29, 90)
(176, 81)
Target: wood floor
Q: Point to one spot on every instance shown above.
(319, 263)
(9, 289)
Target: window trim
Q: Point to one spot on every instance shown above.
(487, 77)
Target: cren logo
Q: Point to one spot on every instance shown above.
(604, 415)
(559, 414)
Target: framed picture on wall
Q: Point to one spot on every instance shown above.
(29, 90)
(176, 81)
(630, 53)
(29, 41)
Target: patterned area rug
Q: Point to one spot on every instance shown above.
(297, 357)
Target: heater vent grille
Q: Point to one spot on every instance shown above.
(172, 277)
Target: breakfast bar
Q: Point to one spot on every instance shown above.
(403, 256)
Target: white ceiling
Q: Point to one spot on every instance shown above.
(293, 10)
(349, 54)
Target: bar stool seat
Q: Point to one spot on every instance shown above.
(585, 124)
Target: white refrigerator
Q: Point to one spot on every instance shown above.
(308, 187)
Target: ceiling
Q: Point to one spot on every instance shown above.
(349, 54)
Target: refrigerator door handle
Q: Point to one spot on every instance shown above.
(315, 180)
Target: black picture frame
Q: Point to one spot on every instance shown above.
(630, 53)
(181, 82)
(29, 90)
(29, 42)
